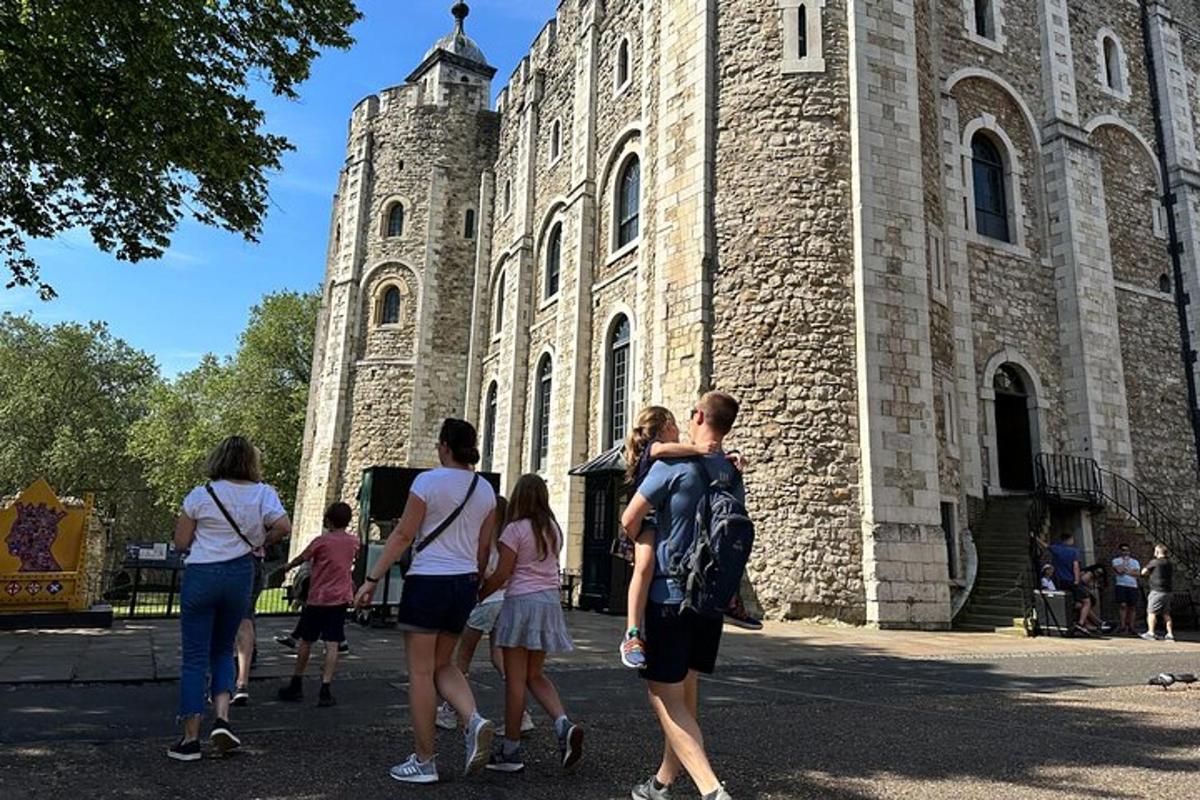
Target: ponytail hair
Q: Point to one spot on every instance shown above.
(531, 500)
(460, 438)
(650, 422)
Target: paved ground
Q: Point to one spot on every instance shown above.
(800, 712)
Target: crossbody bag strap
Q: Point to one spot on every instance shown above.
(448, 521)
(228, 516)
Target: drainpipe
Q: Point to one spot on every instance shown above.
(1176, 247)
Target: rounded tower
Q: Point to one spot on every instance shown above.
(391, 349)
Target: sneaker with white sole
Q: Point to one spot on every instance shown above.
(184, 751)
(501, 762)
(479, 736)
(1149, 637)
(633, 652)
(527, 723)
(447, 719)
(414, 770)
(241, 696)
(648, 791)
(570, 745)
(1170, 637)
(223, 737)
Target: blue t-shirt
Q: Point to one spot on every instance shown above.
(674, 488)
(1063, 556)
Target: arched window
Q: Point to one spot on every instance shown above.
(983, 19)
(541, 412)
(991, 200)
(489, 428)
(498, 314)
(803, 31)
(395, 220)
(1112, 64)
(390, 313)
(555, 140)
(507, 196)
(469, 224)
(617, 390)
(629, 189)
(553, 259)
(622, 76)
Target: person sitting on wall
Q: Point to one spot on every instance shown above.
(1048, 578)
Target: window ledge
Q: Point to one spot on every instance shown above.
(996, 45)
(624, 87)
(554, 161)
(552, 300)
(623, 251)
(1009, 248)
(389, 326)
(800, 66)
(1122, 95)
(496, 337)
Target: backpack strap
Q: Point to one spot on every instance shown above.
(228, 517)
(448, 521)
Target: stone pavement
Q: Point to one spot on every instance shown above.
(148, 650)
(797, 712)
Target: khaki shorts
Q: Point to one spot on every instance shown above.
(483, 617)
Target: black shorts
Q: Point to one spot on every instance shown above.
(1128, 596)
(327, 623)
(678, 642)
(437, 603)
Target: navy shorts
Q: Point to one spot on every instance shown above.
(327, 623)
(437, 603)
(678, 642)
(1128, 596)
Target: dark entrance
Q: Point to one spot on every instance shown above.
(605, 577)
(1014, 439)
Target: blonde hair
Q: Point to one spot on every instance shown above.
(650, 423)
(531, 500)
(234, 459)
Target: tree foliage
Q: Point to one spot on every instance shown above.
(261, 393)
(120, 114)
(69, 394)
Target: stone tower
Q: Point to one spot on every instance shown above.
(390, 357)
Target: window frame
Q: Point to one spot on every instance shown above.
(1112, 65)
(552, 261)
(390, 290)
(543, 406)
(395, 210)
(993, 38)
(470, 224)
(621, 219)
(802, 52)
(1002, 212)
(490, 414)
(623, 63)
(498, 304)
(614, 347)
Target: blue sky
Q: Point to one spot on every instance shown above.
(196, 299)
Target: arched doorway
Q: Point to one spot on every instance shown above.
(1014, 434)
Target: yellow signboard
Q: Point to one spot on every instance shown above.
(43, 552)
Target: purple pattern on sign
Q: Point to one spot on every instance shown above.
(32, 535)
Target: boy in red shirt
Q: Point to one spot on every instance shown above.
(331, 590)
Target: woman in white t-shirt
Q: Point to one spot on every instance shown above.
(448, 520)
(222, 522)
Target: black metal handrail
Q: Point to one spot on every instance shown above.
(1078, 478)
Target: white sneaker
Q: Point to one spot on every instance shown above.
(479, 738)
(527, 723)
(1170, 637)
(447, 719)
(415, 771)
(1148, 636)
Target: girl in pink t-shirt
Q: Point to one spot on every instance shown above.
(531, 621)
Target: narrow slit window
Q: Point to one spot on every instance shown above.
(489, 428)
(1112, 64)
(498, 314)
(983, 19)
(541, 422)
(802, 33)
(629, 188)
(623, 63)
(553, 260)
(469, 224)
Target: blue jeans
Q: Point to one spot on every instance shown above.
(212, 603)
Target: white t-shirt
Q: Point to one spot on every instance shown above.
(254, 506)
(456, 550)
(493, 562)
(1127, 563)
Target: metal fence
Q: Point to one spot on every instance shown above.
(152, 592)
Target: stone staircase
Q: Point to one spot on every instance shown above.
(1002, 542)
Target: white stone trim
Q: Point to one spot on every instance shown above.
(556, 215)
(532, 403)
(1152, 294)
(1013, 173)
(986, 74)
(1038, 405)
(997, 8)
(384, 211)
(813, 60)
(1158, 212)
(620, 86)
(1121, 92)
(936, 253)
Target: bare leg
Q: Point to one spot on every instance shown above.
(671, 766)
(497, 656)
(245, 651)
(1084, 608)
(639, 581)
(422, 696)
(516, 665)
(191, 728)
(466, 649)
(1170, 624)
(331, 659)
(542, 687)
(1151, 621)
(451, 684)
(682, 732)
(303, 650)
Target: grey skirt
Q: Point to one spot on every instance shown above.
(535, 622)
